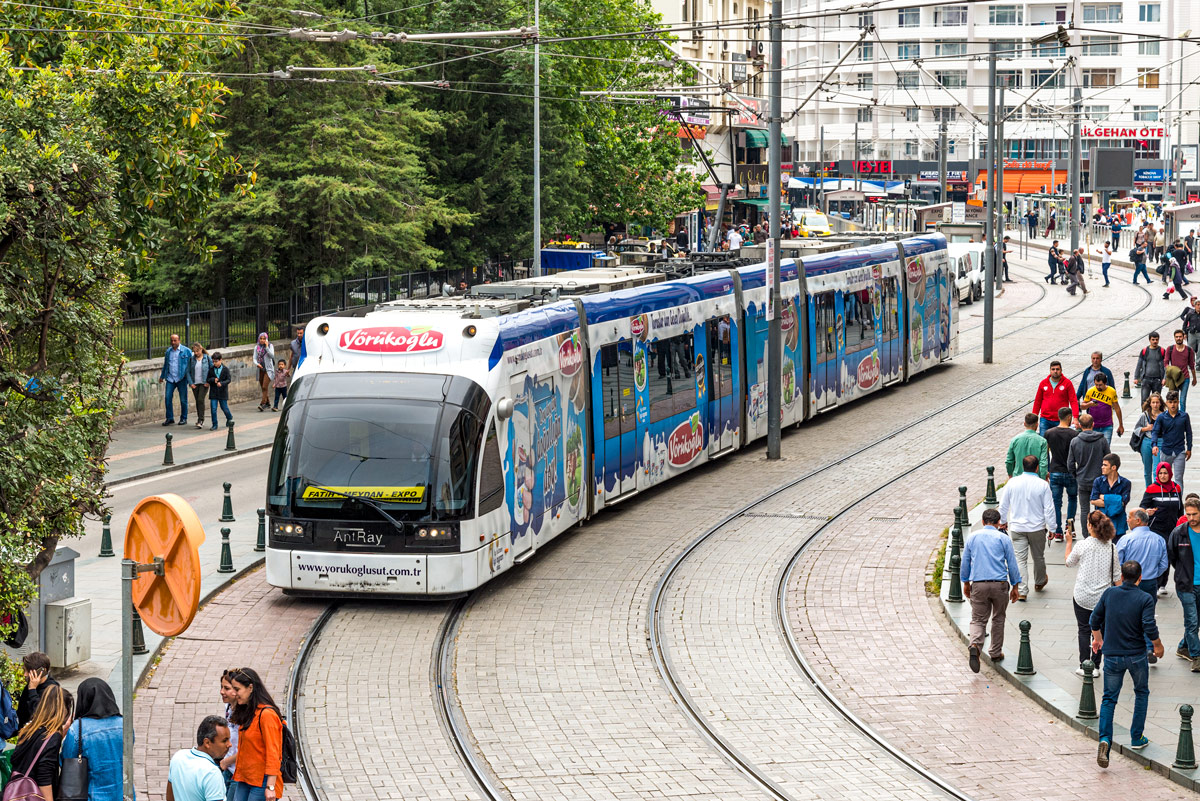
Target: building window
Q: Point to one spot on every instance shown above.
(909, 18)
(1148, 47)
(952, 79)
(1010, 79)
(864, 115)
(1049, 49)
(910, 148)
(1102, 12)
(865, 80)
(1093, 78)
(1011, 113)
(950, 15)
(866, 51)
(1006, 15)
(945, 114)
(1039, 77)
(1060, 14)
(1038, 112)
(1101, 45)
(908, 50)
(912, 115)
(1149, 12)
(866, 19)
(958, 48)
(908, 80)
(1147, 78)
(1145, 113)
(1095, 113)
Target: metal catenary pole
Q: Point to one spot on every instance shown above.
(989, 253)
(1076, 172)
(942, 193)
(820, 179)
(774, 334)
(537, 143)
(998, 231)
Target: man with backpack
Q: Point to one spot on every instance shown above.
(1054, 259)
(1151, 368)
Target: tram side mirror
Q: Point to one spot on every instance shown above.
(504, 409)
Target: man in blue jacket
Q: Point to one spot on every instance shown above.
(1089, 375)
(176, 372)
(1122, 622)
(1171, 437)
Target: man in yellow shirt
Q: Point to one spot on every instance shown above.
(1101, 402)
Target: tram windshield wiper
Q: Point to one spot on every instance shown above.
(364, 501)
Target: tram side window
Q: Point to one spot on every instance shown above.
(457, 469)
(720, 362)
(826, 347)
(891, 308)
(611, 390)
(671, 377)
(491, 474)
(860, 321)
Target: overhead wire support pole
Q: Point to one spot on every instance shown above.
(989, 253)
(998, 235)
(1076, 168)
(774, 178)
(537, 144)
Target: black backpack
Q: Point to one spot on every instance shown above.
(289, 766)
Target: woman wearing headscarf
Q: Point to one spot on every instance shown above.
(1164, 500)
(264, 359)
(98, 727)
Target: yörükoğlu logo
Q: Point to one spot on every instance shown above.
(570, 357)
(868, 372)
(685, 442)
(390, 339)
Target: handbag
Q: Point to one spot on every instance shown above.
(73, 774)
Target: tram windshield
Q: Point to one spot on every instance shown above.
(408, 442)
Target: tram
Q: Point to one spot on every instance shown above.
(428, 445)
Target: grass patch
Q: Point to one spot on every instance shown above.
(934, 585)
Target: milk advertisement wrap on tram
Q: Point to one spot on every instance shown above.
(929, 312)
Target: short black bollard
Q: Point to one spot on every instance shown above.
(954, 593)
(139, 637)
(168, 455)
(1125, 392)
(226, 553)
(962, 508)
(989, 499)
(1185, 752)
(261, 544)
(106, 548)
(230, 445)
(1087, 699)
(1025, 655)
(227, 505)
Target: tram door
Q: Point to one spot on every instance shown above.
(720, 385)
(890, 348)
(825, 366)
(620, 418)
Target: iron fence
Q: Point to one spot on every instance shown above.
(227, 324)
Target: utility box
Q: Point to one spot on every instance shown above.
(68, 631)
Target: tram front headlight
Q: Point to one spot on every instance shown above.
(290, 531)
(440, 534)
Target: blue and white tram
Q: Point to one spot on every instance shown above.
(426, 447)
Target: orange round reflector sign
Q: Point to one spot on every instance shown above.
(166, 526)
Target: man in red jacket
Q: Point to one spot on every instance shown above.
(1055, 392)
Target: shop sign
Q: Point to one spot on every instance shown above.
(1148, 176)
(1123, 132)
(873, 167)
(952, 176)
(1028, 165)
(749, 111)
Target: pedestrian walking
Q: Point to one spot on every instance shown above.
(990, 578)
(1140, 440)
(1096, 558)
(198, 380)
(36, 667)
(1052, 223)
(1058, 442)
(1053, 393)
(1160, 242)
(1182, 356)
(280, 382)
(1144, 546)
(681, 239)
(229, 698)
(1027, 513)
(1106, 261)
(1171, 437)
(218, 382)
(175, 373)
(260, 739)
(1087, 380)
(1115, 226)
(1074, 272)
(1151, 367)
(1122, 623)
(264, 360)
(194, 775)
(1175, 271)
(1102, 404)
(1054, 260)
(40, 740)
(1004, 251)
(296, 346)
(1183, 548)
(1138, 256)
(1111, 491)
(1031, 221)
(97, 736)
(1028, 443)
(1191, 323)
(1163, 502)
(1085, 458)
(734, 240)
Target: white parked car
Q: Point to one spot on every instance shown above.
(967, 258)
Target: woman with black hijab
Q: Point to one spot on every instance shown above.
(98, 726)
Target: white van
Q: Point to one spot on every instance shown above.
(966, 260)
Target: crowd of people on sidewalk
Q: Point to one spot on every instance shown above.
(207, 376)
(71, 748)
(1125, 554)
(1174, 261)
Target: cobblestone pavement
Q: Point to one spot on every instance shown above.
(250, 624)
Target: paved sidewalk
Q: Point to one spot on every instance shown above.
(137, 451)
(1053, 635)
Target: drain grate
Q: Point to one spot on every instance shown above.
(791, 515)
(886, 519)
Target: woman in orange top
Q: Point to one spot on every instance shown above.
(260, 739)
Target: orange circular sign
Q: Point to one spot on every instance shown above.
(166, 526)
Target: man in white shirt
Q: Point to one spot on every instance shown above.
(735, 239)
(1027, 513)
(194, 775)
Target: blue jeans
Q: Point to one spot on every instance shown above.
(1045, 425)
(1107, 432)
(213, 403)
(1150, 587)
(1140, 268)
(1183, 390)
(1148, 459)
(182, 388)
(240, 791)
(1104, 268)
(1060, 482)
(1191, 618)
(1114, 676)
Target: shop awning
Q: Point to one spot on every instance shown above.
(761, 203)
(756, 138)
(1027, 182)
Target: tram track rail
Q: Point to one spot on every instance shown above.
(307, 781)
(660, 649)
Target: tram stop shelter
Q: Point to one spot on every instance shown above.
(1181, 219)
